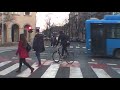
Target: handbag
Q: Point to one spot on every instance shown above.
(28, 48)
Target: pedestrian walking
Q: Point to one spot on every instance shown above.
(53, 40)
(23, 53)
(38, 45)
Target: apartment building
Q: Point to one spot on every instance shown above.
(15, 23)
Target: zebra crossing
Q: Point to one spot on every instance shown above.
(8, 69)
(77, 47)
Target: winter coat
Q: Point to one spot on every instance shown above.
(22, 50)
(64, 39)
(38, 43)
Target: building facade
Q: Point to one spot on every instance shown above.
(77, 22)
(19, 23)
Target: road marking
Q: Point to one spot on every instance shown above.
(44, 53)
(43, 59)
(71, 46)
(77, 47)
(7, 50)
(4, 63)
(46, 46)
(117, 70)
(48, 62)
(28, 58)
(15, 57)
(92, 62)
(51, 71)
(27, 72)
(75, 72)
(93, 59)
(111, 64)
(8, 70)
(83, 47)
(65, 64)
(100, 73)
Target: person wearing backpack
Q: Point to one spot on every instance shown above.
(23, 53)
(64, 42)
(38, 45)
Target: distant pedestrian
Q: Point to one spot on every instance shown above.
(23, 53)
(53, 41)
(38, 45)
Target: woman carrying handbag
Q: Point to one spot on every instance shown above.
(23, 53)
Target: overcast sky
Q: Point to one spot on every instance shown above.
(57, 18)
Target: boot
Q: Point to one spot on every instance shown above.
(32, 69)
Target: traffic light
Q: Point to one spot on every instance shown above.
(30, 30)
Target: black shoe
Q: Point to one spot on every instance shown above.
(32, 69)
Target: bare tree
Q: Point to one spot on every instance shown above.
(66, 26)
(48, 24)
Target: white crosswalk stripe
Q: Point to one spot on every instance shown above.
(53, 69)
(77, 47)
(4, 63)
(100, 73)
(27, 72)
(117, 70)
(75, 72)
(71, 46)
(9, 69)
(83, 47)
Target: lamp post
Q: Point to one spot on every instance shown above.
(2, 38)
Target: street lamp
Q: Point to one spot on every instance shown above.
(2, 38)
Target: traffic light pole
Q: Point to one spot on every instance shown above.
(2, 38)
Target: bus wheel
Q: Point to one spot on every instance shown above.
(117, 53)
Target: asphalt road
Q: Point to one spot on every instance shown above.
(85, 66)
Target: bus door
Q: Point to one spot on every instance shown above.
(97, 39)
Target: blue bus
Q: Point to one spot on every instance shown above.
(103, 36)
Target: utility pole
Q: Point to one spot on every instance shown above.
(2, 38)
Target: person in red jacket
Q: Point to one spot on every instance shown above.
(23, 54)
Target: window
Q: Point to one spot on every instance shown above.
(16, 13)
(6, 12)
(27, 13)
(113, 31)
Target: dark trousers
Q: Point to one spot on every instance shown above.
(38, 56)
(53, 43)
(22, 60)
(64, 49)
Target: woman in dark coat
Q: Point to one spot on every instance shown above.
(38, 45)
(23, 53)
